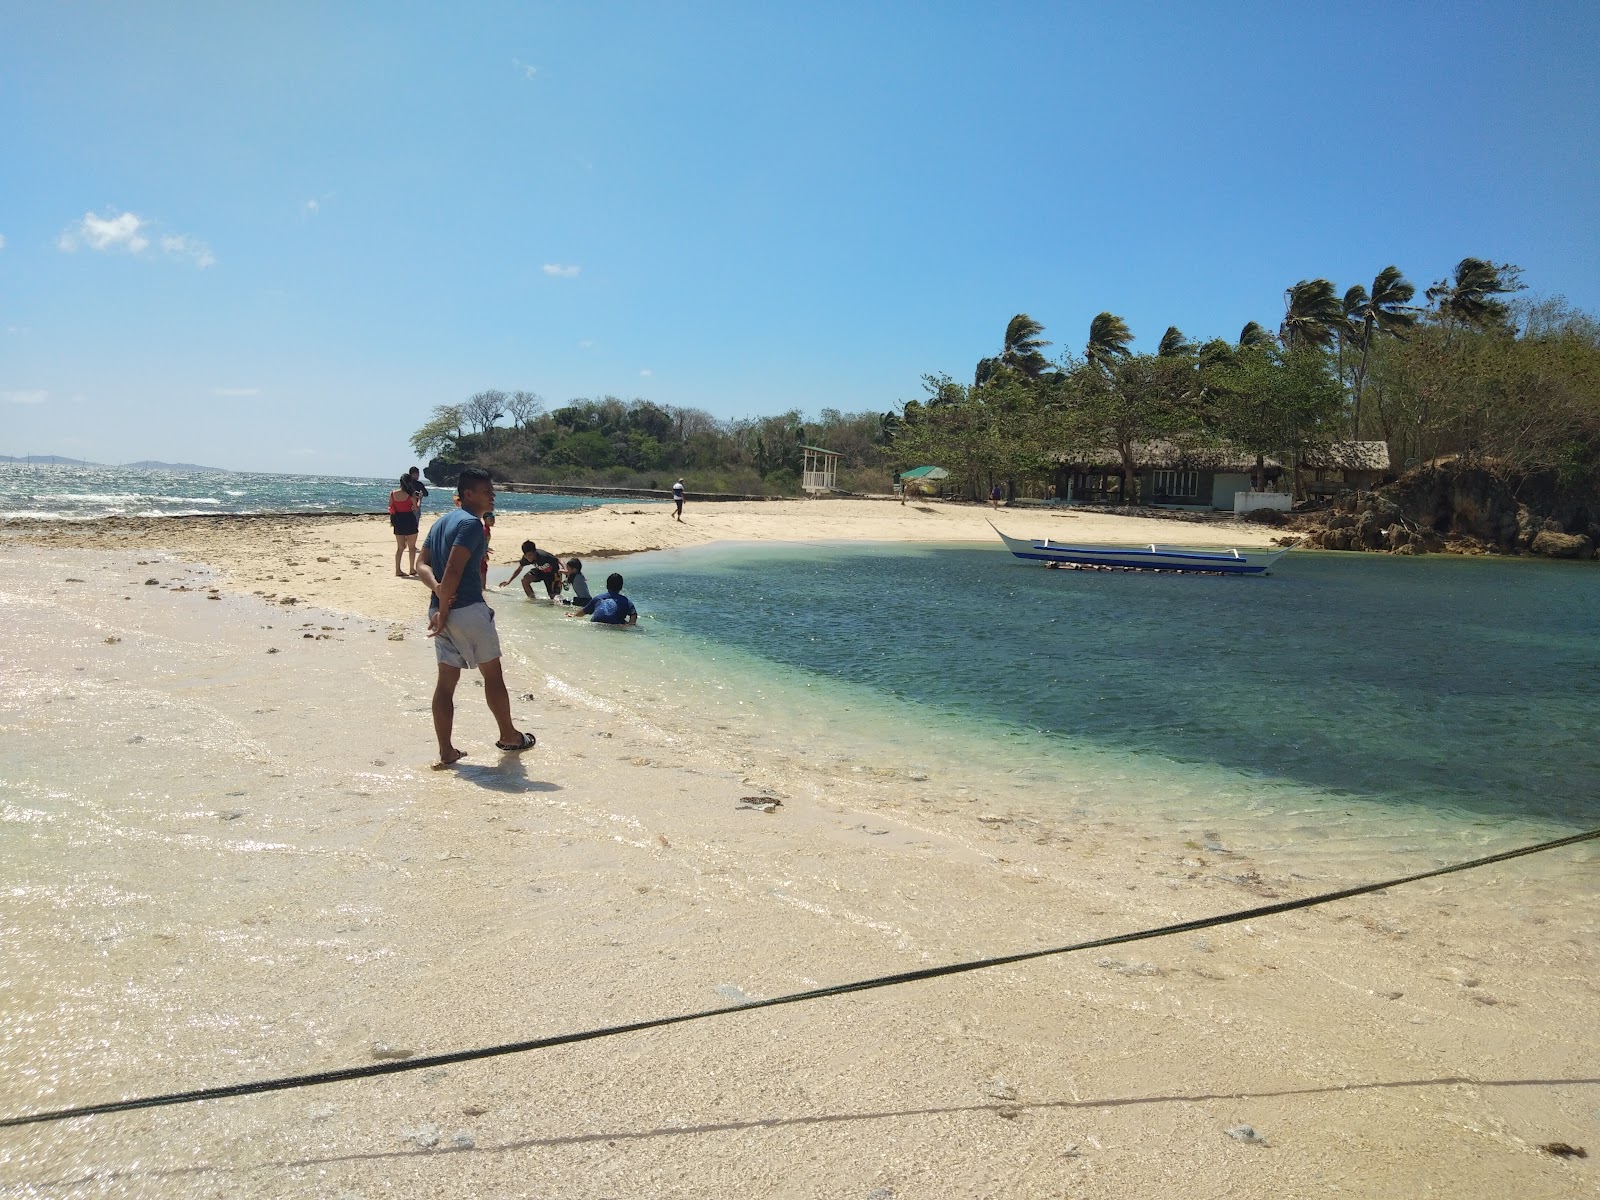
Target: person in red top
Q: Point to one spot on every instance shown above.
(403, 520)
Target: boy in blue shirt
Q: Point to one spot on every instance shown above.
(610, 607)
(459, 620)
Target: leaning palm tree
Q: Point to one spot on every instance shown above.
(1023, 347)
(1468, 298)
(1022, 351)
(1313, 314)
(1174, 344)
(1109, 336)
(1253, 335)
(1385, 310)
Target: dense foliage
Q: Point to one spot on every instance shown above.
(1472, 375)
(635, 443)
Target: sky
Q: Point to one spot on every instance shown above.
(273, 237)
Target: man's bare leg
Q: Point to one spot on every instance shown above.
(444, 711)
(494, 691)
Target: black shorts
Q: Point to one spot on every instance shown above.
(403, 524)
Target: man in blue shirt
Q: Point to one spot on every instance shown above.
(451, 564)
(610, 607)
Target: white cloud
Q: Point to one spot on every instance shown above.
(647, 372)
(561, 271)
(586, 344)
(527, 71)
(24, 397)
(236, 392)
(121, 232)
(2, 241)
(310, 206)
(192, 248)
(131, 233)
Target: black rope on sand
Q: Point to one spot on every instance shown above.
(843, 989)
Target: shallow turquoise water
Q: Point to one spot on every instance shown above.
(1465, 686)
(80, 493)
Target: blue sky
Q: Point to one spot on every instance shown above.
(272, 237)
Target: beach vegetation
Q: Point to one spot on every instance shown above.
(441, 433)
(1476, 375)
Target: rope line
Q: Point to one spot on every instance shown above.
(372, 1070)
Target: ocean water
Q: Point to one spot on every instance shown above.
(83, 493)
(1356, 697)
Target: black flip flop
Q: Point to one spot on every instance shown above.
(528, 742)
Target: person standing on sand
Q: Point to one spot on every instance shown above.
(403, 520)
(458, 618)
(677, 498)
(994, 497)
(419, 490)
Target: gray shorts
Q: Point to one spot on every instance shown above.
(468, 637)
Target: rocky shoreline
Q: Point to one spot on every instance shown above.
(1455, 511)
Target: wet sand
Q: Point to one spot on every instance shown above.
(227, 858)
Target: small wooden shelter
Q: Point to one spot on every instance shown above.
(821, 469)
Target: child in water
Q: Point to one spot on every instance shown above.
(578, 584)
(610, 607)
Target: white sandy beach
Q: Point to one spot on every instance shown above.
(228, 859)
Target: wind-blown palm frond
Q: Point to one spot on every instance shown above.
(1469, 297)
(1253, 335)
(1383, 311)
(1386, 308)
(1313, 314)
(1023, 348)
(1355, 302)
(1173, 343)
(1109, 336)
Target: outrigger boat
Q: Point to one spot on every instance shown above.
(1141, 558)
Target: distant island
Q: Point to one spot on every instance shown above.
(151, 464)
(147, 464)
(49, 460)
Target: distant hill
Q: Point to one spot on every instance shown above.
(151, 464)
(50, 460)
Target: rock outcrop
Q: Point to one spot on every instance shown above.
(1462, 510)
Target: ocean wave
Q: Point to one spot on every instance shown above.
(184, 499)
(231, 492)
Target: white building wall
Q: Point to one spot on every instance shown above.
(1225, 486)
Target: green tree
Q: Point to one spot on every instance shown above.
(1469, 296)
(1109, 336)
(1313, 315)
(1173, 343)
(1383, 312)
(440, 432)
(1253, 335)
(1021, 350)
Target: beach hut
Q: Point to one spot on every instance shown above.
(821, 469)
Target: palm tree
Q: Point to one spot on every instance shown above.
(1313, 314)
(1384, 311)
(1022, 351)
(1174, 344)
(1109, 336)
(1253, 335)
(1469, 297)
(1023, 346)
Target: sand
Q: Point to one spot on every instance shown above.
(347, 562)
(228, 858)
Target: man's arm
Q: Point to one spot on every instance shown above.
(445, 589)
